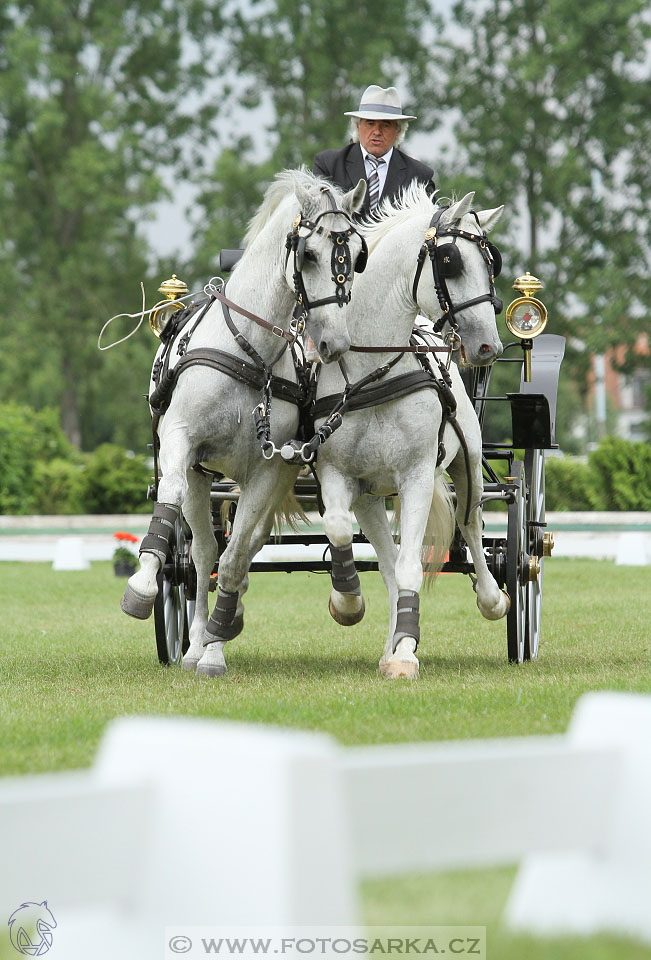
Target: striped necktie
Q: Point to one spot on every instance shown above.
(374, 182)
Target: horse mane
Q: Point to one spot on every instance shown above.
(390, 214)
(283, 185)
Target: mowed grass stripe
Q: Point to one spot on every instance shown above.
(72, 660)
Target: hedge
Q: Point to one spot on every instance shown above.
(616, 476)
(41, 473)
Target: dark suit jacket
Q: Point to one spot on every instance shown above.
(345, 167)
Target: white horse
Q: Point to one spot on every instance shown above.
(291, 246)
(394, 446)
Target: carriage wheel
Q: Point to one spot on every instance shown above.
(173, 610)
(517, 574)
(534, 469)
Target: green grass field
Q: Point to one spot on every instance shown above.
(71, 661)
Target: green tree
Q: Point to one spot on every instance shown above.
(552, 103)
(95, 105)
(309, 62)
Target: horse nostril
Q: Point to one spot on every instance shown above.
(485, 350)
(323, 349)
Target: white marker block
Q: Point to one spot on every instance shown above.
(604, 887)
(632, 550)
(69, 554)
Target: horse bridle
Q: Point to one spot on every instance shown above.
(341, 260)
(447, 263)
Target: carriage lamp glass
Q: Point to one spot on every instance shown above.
(526, 316)
(172, 290)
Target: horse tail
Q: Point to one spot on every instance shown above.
(289, 513)
(438, 533)
(439, 530)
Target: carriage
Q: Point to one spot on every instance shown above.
(514, 477)
(386, 414)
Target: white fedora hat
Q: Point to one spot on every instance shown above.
(380, 104)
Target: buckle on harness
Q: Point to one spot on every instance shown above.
(277, 331)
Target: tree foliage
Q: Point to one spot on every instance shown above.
(93, 96)
(552, 103)
(308, 62)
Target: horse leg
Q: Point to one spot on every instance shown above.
(400, 658)
(227, 618)
(204, 553)
(142, 587)
(493, 603)
(372, 516)
(346, 604)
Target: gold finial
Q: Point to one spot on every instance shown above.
(173, 288)
(528, 284)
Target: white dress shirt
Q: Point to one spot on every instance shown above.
(381, 170)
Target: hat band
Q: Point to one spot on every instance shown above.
(383, 107)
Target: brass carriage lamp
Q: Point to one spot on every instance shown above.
(172, 289)
(526, 317)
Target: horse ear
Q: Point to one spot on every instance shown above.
(458, 209)
(488, 218)
(354, 199)
(303, 196)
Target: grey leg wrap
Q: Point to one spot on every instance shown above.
(343, 573)
(408, 617)
(223, 624)
(161, 531)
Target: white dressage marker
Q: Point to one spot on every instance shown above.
(69, 554)
(198, 823)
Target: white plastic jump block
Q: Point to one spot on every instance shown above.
(180, 822)
(69, 554)
(608, 888)
(633, 550)
(258, 813)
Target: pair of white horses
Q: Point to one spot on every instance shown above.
(377, 451)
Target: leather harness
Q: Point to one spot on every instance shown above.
(362, 394)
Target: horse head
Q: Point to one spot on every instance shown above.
(325, 249)
(464, 266)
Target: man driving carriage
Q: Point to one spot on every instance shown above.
(377, 129)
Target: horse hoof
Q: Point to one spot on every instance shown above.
(210, 669)
(346, 619)
(189, 664)
(136, 605)
(497, 610)
(396, 669)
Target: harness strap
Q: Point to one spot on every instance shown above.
(378, 393)
(277, 331)
(226, 363)
(412, 348)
